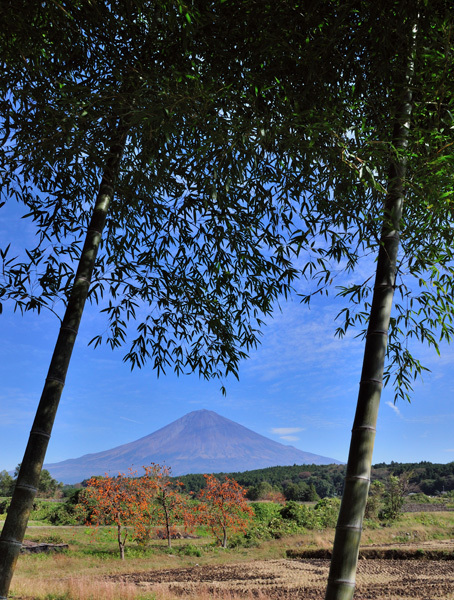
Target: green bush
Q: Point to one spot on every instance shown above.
(323, 515)
(276, 529)
(302, 515)
(190, 550)
(54, 513)
(265, 511)
(327, 511)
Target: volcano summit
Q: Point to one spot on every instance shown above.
(200, 442)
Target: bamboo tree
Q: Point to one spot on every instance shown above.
(341, 581)
(28, 478)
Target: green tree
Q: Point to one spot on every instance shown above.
(214, 163)
(341, 580)
(125, 98)
(6, 484)
(48, 486)
(374, 500)
(396, 488)
(146, 99)
(408, 164)
(260, 491)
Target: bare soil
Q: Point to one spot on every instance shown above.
(305, 579)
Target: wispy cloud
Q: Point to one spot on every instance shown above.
(448, 450)
(394, 407)
(130, 420)
(286, 430)
(287, 433)
(299, 342)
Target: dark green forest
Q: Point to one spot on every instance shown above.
(297, 482)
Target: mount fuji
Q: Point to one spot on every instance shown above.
(200, 442)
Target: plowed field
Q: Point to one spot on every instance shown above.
(304, 579)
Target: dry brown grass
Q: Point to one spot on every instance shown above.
(83, 572)
(85, 588)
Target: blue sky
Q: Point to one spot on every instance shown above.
(299, 387)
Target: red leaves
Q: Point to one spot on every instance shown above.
(132, 503)
(117, 501)
(223, 507)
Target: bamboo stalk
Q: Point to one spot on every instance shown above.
(28, 479)
(342, 576)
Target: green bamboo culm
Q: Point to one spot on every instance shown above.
(342, 576)
(28, 478)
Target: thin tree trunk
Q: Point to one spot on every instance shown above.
(121, 543)
(167, 519)
(341, 581)
(28, 478)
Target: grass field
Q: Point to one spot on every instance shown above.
(90, 569)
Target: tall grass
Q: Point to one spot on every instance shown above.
(82, 573)
(88, 589)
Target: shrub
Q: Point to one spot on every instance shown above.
(303, 516)
(54, 513)
(190, 550)
(4, 505)
(265, 511)
(327, 511)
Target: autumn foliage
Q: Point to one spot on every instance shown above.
(134, 505)
(120, 501)
(223, 507)
(168, 506)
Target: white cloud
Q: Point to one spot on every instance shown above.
(286, 430)
(394, 407)
(298, 343)
(290, 438)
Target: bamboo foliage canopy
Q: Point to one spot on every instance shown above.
(257, 150)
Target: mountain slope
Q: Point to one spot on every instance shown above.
(200, 442)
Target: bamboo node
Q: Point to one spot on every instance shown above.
(10, 541)
(342, 582)
(370, 427)
(25, 486)
(348, 527)
(379, 381)
(93, 230)
(377, 332)
(68, 328)
(40, 432)
(55, 379)
(385, 286)
(349, 477)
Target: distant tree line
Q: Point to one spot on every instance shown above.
(310, 482)
(48, 487)
(301, 483)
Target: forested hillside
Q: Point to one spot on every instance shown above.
(298, 481)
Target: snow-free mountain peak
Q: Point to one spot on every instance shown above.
(199, 442)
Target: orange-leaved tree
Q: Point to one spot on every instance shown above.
(168, 507)
(118, 501)
(223, 507)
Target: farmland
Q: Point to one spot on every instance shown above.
(196, 568)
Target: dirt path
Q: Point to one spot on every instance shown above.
(305, 579)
